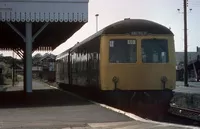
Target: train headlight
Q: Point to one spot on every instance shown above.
(163, 79)
(115, 81)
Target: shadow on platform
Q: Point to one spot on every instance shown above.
(39, 98)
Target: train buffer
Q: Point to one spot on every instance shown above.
(47, 107)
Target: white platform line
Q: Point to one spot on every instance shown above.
(130, 115)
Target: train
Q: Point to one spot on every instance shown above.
(132, 60)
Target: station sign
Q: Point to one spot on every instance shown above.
(139, 33)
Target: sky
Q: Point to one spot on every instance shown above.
(160, 11)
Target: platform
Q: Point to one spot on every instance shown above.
(187, 97)
(191, 84)
(49, 108)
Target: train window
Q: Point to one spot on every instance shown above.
(84, 61)
(122, 51)
(154, 51)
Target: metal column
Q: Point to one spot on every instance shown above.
(13, 71)
(25, 70)
(28, 57)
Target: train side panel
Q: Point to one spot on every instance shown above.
(59, 71)
(85, 65)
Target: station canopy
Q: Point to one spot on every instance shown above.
(53, 22)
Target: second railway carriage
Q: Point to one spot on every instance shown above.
(130, 56)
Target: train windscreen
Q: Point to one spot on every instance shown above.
(123, 51)
(155, 51)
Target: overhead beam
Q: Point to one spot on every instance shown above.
(39, 31)
(17, 31)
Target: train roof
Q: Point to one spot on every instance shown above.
(127, 26)
(63, 54)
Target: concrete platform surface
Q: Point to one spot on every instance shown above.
(191, 84)
(189, 90)
(187, 97)
(48, 108)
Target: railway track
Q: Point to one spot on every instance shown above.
(192, 114)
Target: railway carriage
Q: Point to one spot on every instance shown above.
(132, 56)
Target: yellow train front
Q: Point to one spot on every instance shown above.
(137, 62)
(131, 61)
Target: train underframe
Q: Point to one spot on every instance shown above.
(152, 104)
(147, 104)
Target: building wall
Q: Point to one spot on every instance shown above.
(192, 58)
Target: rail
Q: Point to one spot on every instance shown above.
(185, 112)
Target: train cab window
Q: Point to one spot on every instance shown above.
(122, 51)
(154, 51)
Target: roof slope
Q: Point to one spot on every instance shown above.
(128, 26)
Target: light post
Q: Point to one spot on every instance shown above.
(97, 22)
(185, 5)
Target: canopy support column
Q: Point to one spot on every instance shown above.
(28, 60)
(28, 39)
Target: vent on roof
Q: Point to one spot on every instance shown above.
(126, 18)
